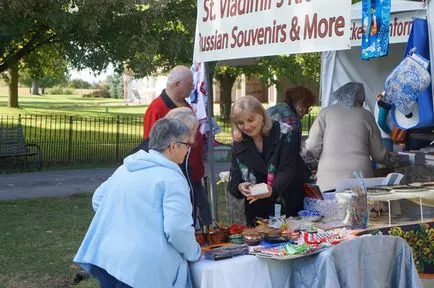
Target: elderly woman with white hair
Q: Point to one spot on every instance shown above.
(201, 206)
(141, 234)
(344, 136)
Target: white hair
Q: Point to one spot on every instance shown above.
(166, 131)
(185, 115)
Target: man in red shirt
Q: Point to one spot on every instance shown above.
(178, 87)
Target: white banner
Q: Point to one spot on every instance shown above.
(231, 29)
(400, 27)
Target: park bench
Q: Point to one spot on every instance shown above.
(13, 148)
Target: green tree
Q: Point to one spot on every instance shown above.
(297, 69)
(115, 86)
(43, 68)
(79, 84)
(226, 76)
(144, 35)
(301, 69)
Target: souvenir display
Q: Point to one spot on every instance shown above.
(236, 239)
(312, 191)
(200, 238)
(357, 213)
(407, 189)
(331, 209)
(422, 114)
(429, 185)
(406, 82)
(215, 236)
(330, 237)
(310, 215)
(226, 252)
(378, 191)
(375, 37)
(252, 237)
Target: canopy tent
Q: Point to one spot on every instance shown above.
(237, 32)
(339, 67)
(242, 30)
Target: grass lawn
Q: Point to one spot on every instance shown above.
(68, 105)
(39, 238)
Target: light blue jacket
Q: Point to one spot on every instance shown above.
(142, 230)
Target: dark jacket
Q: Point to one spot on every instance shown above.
(280, 158)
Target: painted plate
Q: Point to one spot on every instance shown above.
(376, 191)
(422, 184)
(288, 257)
(408, 189)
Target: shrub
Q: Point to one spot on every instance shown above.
(61, 91)
(97, 94)
(79, 84)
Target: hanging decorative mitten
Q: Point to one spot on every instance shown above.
(406, 82)
(375, 19)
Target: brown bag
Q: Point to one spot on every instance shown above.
(399, 135)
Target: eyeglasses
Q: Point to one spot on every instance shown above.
(188, 144)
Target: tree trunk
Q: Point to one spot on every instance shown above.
(13, 86)
(226, 82)
(42, 90)
(35, 87)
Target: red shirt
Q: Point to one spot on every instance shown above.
(158, 109)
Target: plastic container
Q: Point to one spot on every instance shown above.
(332, 210)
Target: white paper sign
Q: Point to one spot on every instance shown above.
(232, 29)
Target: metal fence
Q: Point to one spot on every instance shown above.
(71, 140)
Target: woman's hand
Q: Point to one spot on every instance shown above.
(244, 188)
(253, 198)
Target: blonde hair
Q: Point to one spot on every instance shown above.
(185, 115)
(253, 105)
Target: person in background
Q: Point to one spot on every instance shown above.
(384, 122)
(178, 87)
(344, 136)
(297, 103)
(141, 233)
(262, 152)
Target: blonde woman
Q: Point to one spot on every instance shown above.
(263, 153)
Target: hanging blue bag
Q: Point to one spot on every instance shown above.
(406, 82)
(376, 29)
(422, 112)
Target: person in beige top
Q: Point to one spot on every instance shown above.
(344, 136)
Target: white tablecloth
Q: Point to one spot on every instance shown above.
(373, 261)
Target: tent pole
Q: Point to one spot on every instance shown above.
(210, 143)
